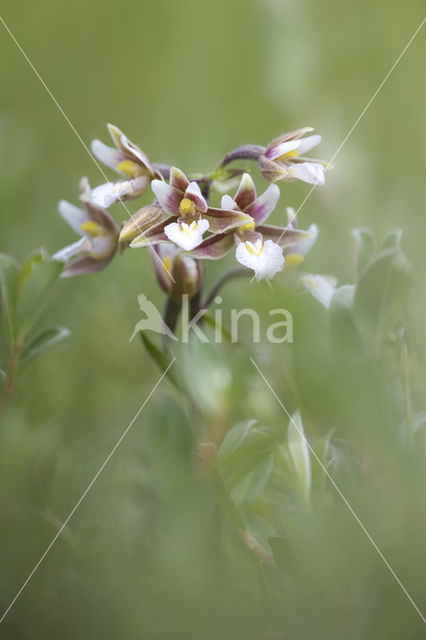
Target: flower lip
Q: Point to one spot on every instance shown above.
(187, 236)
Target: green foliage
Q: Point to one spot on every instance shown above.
(42, 340)
(24, 293)
(9, 278)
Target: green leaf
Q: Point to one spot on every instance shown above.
(226, 501)
(392, 240)
(251, 484)
(35, 290)
(365, 244)
(323, 451)
(260, 530)
(234, 438)
(282, 553)
(9, 277)
(380, 297)
(342, 321)
(299, 453)
(2, 379)
(42, 340)
(160, 358)
(30, 264)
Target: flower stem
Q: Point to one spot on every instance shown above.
(238, 272)
(10, 381)
(246, 152)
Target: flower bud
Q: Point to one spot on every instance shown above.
(188, 275)
(140, 221)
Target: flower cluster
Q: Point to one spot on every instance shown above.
(180, 225)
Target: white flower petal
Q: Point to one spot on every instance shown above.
(321, 287)
(187, 236)
(107, 194)
(305, 246)
(109, 156)
(310, 172)
(228, 203)
(308, 143)
(73, 216)
(77, 248)
(265, 259)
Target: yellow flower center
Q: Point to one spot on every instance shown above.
(129, 168)
(92, 228)
(189, 228)
(293, 259)
(186, 207)
(248, 227)
(167, 264)
(255, 249)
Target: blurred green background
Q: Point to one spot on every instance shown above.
(189, 81)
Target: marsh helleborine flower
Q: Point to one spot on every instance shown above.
(127, 160)
(189, 215)
(98, 242)
(259, 246)
(284, 159)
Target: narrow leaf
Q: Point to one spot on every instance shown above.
(9, 277)
(160, 358)
(43, 340)
(365, 244)
(35, 291)
(299, 453)
(253, 483)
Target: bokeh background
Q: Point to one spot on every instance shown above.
(189, 81)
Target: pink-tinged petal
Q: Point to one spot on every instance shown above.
(168, 197)
(109, 156)
(214, 248)
(271, 151)
(73, 216)
(178, 179)
(246, 193)
(270, 170)
(263, 206)
(285, 237)
(193, 192)
(122, 143)
(222, 220)
(309, 172)
(153, 235)
(85, 265)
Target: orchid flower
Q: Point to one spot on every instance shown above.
(321, 287)
(296, 253)
(98, 242)
(259, 246)
(189, 215)
(129, 161)
(284, 159)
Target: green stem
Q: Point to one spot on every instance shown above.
(407, 392)
(10, 381)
